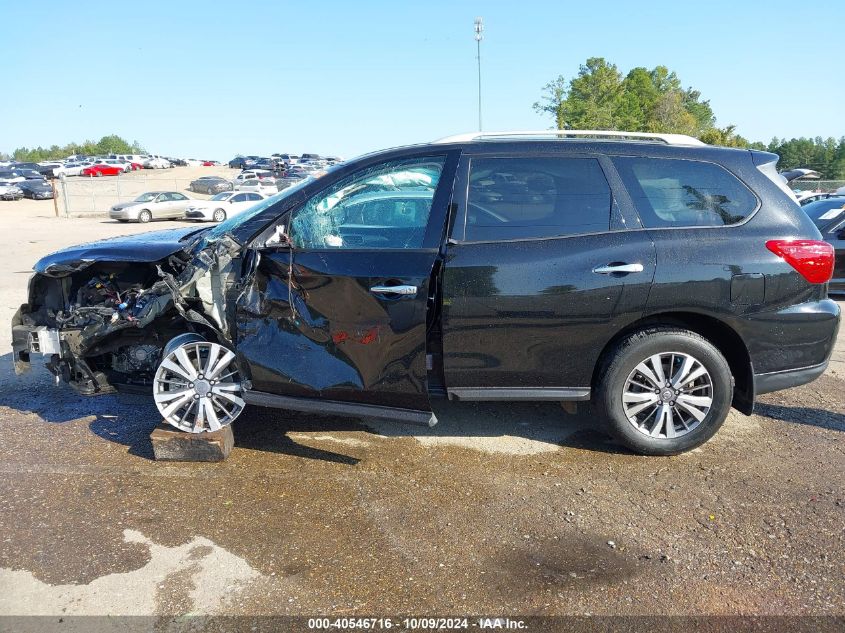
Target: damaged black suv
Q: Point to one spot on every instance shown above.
(661, 279)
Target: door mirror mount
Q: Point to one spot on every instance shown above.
(279, 239)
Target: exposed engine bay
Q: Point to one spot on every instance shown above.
(91, 318)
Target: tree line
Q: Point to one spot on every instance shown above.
(600, 97)
(111, 144)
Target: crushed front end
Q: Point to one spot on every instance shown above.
(101, 325)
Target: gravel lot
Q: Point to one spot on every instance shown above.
(519, 509)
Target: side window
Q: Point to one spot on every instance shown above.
(384, 206)
(254, 197)
(676, 192)
(523, 198)
(241, 197)
(178, 196)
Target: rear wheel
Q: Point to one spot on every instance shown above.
(219, 215)
(665, 391)
(145, 216)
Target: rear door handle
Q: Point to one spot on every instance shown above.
(609, 269)
(394, 290)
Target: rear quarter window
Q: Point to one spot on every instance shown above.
(669, 192)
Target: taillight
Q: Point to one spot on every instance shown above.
(812, 258)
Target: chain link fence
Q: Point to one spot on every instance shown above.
(817, 186)
(92, 195)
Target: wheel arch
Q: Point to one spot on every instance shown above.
(719, 333)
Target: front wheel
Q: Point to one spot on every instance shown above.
(197, 387)
(664, 391)
(144, 216)
(219, 215)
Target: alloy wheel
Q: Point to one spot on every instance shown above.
(197, 387)
(667, 395)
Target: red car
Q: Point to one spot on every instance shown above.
(136, 166)
(102, 170)
(208, 163)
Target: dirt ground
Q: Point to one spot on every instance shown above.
(519, 509)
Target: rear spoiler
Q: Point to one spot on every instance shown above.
(767, 162)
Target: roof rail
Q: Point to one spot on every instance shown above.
(669, 139)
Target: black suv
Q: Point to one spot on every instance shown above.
(660, 279)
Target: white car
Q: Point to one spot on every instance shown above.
(156, 162)
(223, 205)
(251, 174)
(267, 186)
(72, 168)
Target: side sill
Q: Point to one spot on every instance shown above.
(498, 394)
(335, 407)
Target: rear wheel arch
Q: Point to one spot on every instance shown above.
(717, 332)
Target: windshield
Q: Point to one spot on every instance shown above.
(236, 220)
(222, 196)
(146, 197)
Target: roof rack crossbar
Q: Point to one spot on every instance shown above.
(669, 139)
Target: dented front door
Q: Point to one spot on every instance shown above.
(341, 315)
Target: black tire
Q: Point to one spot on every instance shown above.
(144, 216)
(619, 364)
(219, 215)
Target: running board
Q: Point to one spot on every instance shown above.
(498, 394)
(334, 407)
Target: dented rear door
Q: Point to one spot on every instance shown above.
(341, 315)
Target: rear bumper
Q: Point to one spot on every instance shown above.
(775, 381)
(792, 338)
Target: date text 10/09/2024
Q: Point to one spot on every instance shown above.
(416, 623)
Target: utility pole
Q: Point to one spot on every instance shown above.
(479, 35)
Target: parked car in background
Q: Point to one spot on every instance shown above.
(101, 169)
(829, 216)
(177, 162)
(288, 180)
(154, 205)
(250, 174)
(36, 189)
(19, 175)
(10, 190)
(124, 165)
(72, 168)
(210, 185)
(47, 169)
(222, 206)
(241, 162)
(156, 162)
(264, 186)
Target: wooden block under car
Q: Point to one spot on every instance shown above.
(172, 445)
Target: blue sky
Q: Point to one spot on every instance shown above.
(212, 79)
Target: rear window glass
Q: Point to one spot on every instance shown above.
(524, 198)
(675, 192)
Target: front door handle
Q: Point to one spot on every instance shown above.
(407, 291)
(609, 269)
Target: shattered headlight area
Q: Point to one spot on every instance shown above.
(103, 325)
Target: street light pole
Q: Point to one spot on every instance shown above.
(479, 35)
